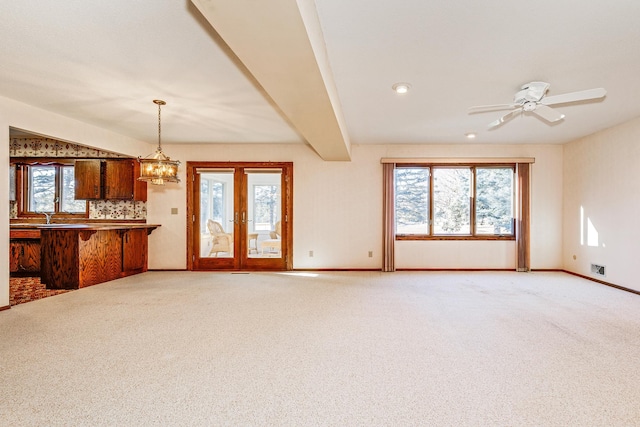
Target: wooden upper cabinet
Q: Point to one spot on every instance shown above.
(118, 179)
(88, 179)
(109, 179)
(139, 187)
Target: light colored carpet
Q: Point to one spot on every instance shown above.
(329, 349)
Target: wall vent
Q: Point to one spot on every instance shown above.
(598, 270)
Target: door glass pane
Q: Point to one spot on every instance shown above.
(216, 214)
(494, 201)
(42, 188)
(451, 201)
(263, 216)
(412, 200)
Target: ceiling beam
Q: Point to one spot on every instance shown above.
(280, 42)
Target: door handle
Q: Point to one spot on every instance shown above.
(244, 219)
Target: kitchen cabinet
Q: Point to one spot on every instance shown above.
(77, 256)
(24, 253)
(87, 179)
(109, 179)
(134, 251)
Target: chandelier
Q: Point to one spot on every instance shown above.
(159, 168)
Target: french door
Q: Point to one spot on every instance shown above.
(239, 216)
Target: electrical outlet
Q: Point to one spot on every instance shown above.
(370, 254)
(311, 254)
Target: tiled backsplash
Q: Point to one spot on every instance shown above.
(98, 209)
(47, 147)
(117, 209)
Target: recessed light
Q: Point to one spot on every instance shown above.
(470, 135)
(401, 87)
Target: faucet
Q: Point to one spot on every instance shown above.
(48, 215)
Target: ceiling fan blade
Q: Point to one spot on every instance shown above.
(505, 118)
(497, 107)
(574, 96)
(548, 113)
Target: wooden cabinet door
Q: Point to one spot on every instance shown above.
(109, 179)
(118, 179)
(88, 179)
(24, 256)
(134, 251)
(15, 249)
(139, 187)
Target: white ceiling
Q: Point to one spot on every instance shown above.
(103, 62)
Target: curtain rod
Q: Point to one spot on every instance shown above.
(450, 160)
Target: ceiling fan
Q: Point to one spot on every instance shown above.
(532, 98)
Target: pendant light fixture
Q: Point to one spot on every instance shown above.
(159, 168)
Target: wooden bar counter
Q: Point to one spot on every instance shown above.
(78, 255)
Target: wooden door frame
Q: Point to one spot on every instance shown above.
(193, 210)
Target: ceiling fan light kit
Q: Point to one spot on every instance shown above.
(532, 98)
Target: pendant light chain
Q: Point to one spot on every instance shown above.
(159, 127)
(160, 103)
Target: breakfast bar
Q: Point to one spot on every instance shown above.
(78, 255)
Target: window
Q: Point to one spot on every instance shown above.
(265, 206)
(50, 188)
(456, 202)
(494, 201)
(451, 201)
(412, 200)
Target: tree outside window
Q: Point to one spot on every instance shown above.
(51, 189)
(494, 200)
(266, 201)
(451, 201)
(461, 201)
(412, 200)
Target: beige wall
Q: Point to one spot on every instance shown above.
(337, 205)
(601, 181)
(338, 208)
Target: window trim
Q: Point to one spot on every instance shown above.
(473, 166)
(22, 187)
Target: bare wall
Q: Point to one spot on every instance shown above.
(601, 201)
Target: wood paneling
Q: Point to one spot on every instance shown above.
(99, 257)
